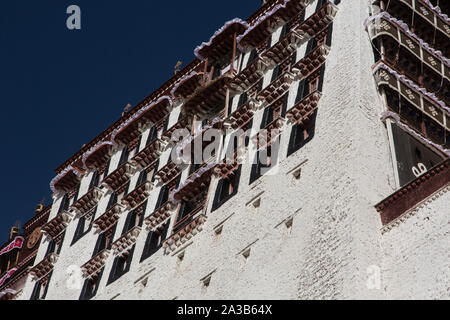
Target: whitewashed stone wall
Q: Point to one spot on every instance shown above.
(416, 259)
(312, 238)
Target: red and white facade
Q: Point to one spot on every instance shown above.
(129, 222)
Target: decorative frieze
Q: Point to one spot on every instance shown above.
(138, 195)
(242, 115)
(94, 266)
(318, 21)
(108, 220)
(423, 100)
(149, 154)
(87, 203)
(250, 75)
(123, 245)
(276, 89)
(119, 177)
(57, 225)
(185, 233)
(43, 268)
(167, 173)
(283, 48)
(311, 62)
(301, 112)
(159, 216)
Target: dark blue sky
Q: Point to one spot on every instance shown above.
(59, 88)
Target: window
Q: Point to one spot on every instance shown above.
(329, 35)
(142, 178)
(312, 43)
(303, 90)
(263, 162)
(155, 240)
(121, 265)
(267, 117)
(284, 30)
(163, 196)
(411, 155)
(301, 134)
(40, 289)
(84, 227)
(253, 56)
(152, 135)
(90, 287)
(75, 197)
(276, 73)
(112, 201)
(186, 208)
(124, 156)
(133, 220)
(64, 204)
(226, 189)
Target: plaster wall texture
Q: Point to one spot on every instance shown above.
(416, 251)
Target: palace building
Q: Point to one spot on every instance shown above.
(348, 103)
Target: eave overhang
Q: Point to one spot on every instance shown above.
(222, 41)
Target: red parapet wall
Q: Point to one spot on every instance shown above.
(414, 192)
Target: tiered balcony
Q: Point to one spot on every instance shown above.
(318, 21)
(93, 267)
(186, 231)
(266, 24)
(67, 180)
(43, 268)
(167, 173)
(57, 225)
(222, 42)
(241, 116)
(424, 101)
(98, 156)
(430, 24)
(135, 125)
(159, 216)
(149, 154)
(207, 97)
(276, 89)
(86, 204)
(250, 75)
(283, 48)
(118, 179)
(108, 220)
(312, 62)
(138, 195)
(384, 24)
(122, 246)
(302, 111)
